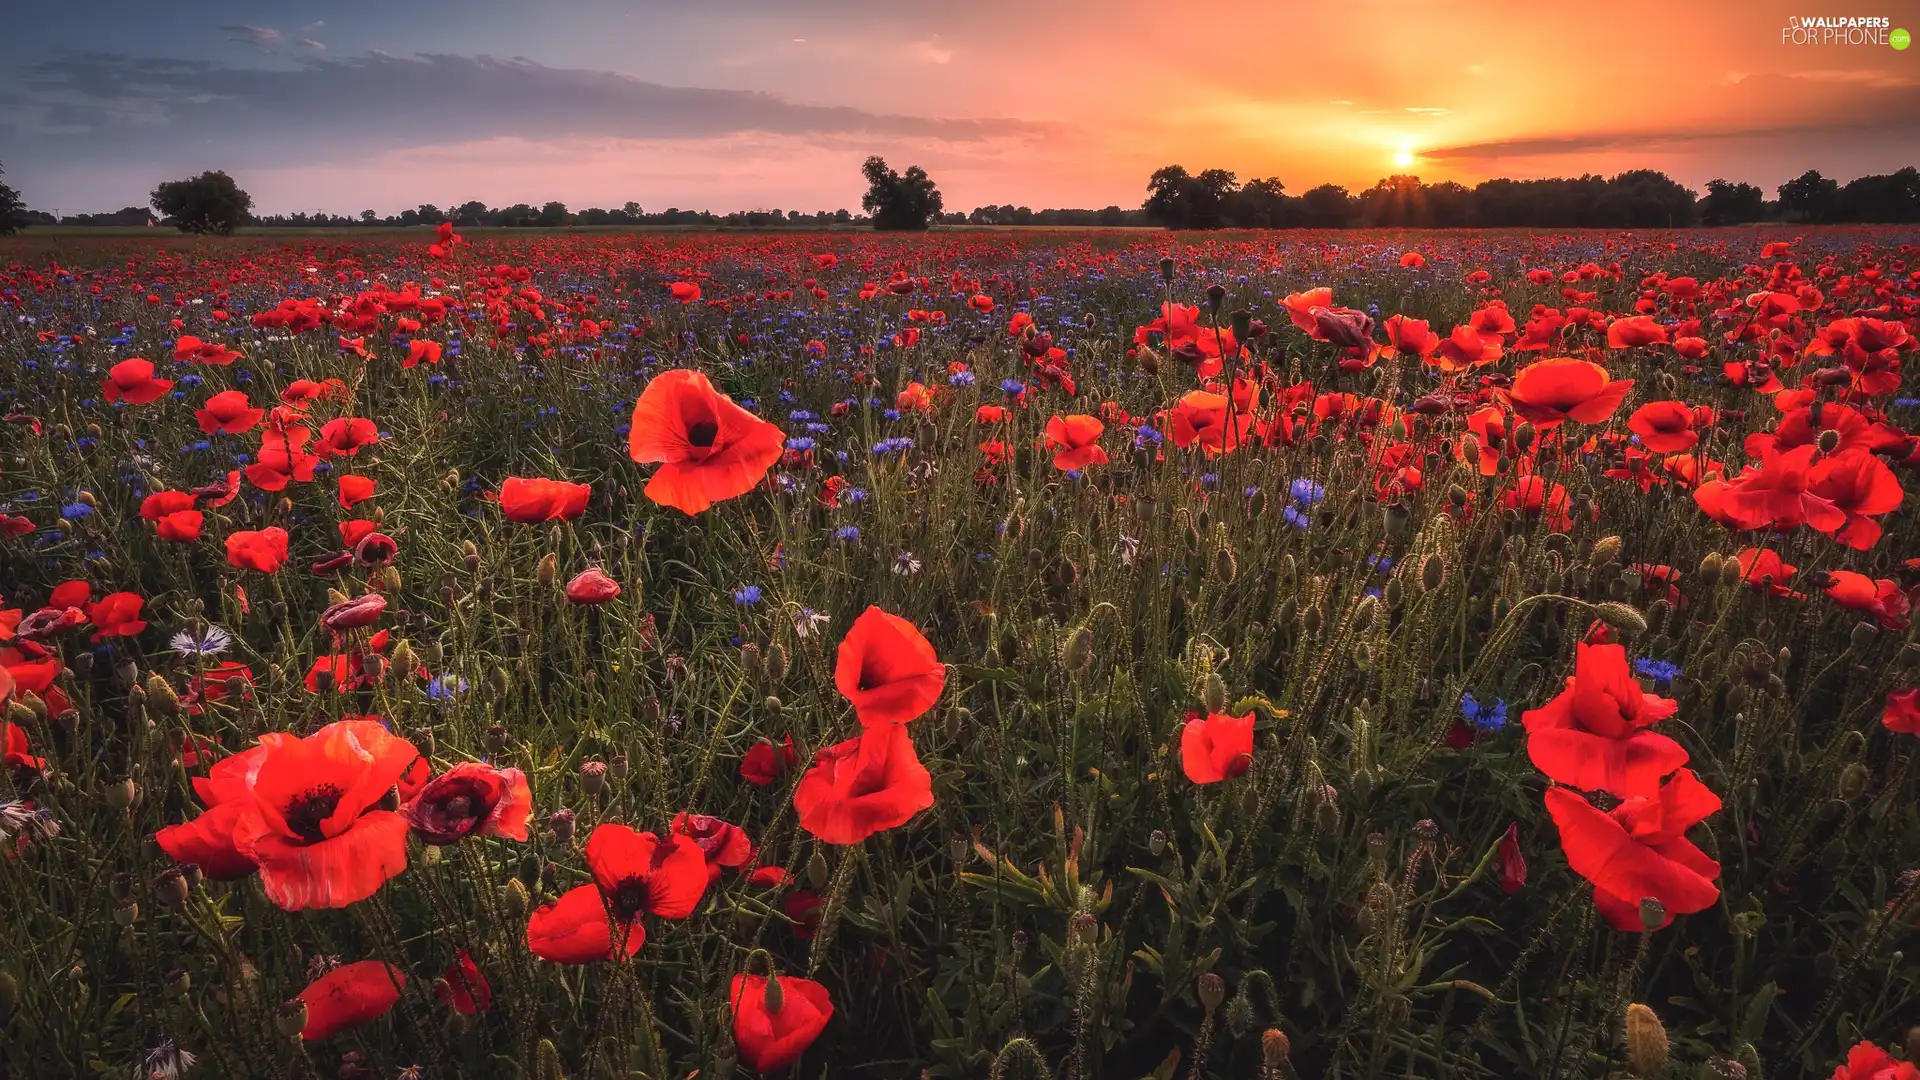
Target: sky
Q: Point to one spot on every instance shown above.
(344, 105)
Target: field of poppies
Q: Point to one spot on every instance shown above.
(1078, 655)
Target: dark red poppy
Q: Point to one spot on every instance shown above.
(471, 799)
(1878, 597)
(530, 499)
(868, 784)
(773, 1028)
(635, 874)
(725, 845)
(1552, 391)
(349, 995)
(463, 988)
(1513, 864)
(1778, 495)
(264, 550)
(1640, 849)
(1217, 747)
(592, 586)
(345, 436)
(116, 615)
(765, 763)
(1902, 712)
(1664, 427)
(1592, 736)
(1861, 486)
(1868, 1062)
(888, 669)
(708, 448)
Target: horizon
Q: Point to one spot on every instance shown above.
(742, 105)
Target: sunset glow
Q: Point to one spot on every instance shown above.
(742, 103)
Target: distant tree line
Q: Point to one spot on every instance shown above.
(1639, 198)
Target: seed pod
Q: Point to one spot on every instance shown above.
(1622, 617)
(1363, 613)
(548, 569)
(1240, 1012)
(1433, 573)
(1212, 990)
(1275, 1048)
(1653, 914)
(1646, 1043)
(291, 1019)
(1605, 550)
(1862, 636)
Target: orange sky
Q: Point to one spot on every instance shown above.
(747, 103)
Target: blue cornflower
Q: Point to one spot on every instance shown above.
(847, 533)
(960, 378)
(1380, 563)
(1012, 387)
(747, 595)
(799, 442)
(1297, 519)
(1488, 718)
(75, 511)
(1305, 492)
(445, 687)
(1662, 672)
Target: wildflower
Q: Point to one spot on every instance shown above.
(887, 669)
(166, 1061)
(1640, 849)
(1902, 711)
(847, 534)
(1485, 718)
(1593, 735)
(1664, 427)
(1218, 747)
(228, 412)
(208, 641)
(463, 988)
(1077, 440)
(1513, 864)
(133, 382)
(592, 586)
(1126, 549)
(471, 798)
(708, 448)
(1549, 392)
(635, 874)
(349, 995)
(747, 595)
(870, 783)
(773, 1027)
(264, 550)
(765, 763)
(808, 622)
(535, 499)
(906, 564)
(1660, 672)
(445, 687)
(1305, 492)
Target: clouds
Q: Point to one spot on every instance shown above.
(260, 37)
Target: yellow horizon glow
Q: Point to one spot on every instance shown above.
(1402, 158)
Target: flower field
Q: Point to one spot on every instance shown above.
(1071, 655)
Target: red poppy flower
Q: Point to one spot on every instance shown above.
(634, 874)
(708, 448)
(1878, 597)
(1552, 391)
(684, 291)
(725, 845)
(349, 995)
(529, 499)
(1219, 747)
(1531, 494)
(1868, 1062)
(116, 615)
(1640, 849)
(301, 393)
(764, 763)
(1861, 486)
(309, 819)
(1635, 330)
(13, 738)
(1902, 713)
(132, 381)
(1200, 417)
(345, 436)
(419, 351)
(1464, 349)
(1775, 495)
(1592, 736)
(463, 989)
(1412, 337)
(1077, 438)
(228, 412)
(868, 784)
(195, 351)
(282, 459)
(592, 586)
(1664, 427)
(471, 799)
(355, 490)
(264, 550)
(772, 1029)
(887, 669)
(1764, 569)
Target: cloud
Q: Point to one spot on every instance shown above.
(263, 37)
(320, 106)
(309, 43)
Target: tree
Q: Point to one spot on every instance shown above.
(1808, 197)
(369, 216)
(1327, 207)
(208, 203)
(897, 201)
(13, 212)
(1728, 203)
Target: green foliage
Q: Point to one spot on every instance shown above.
(897, 201)
(208, 203)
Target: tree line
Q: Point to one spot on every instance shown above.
(1638, 198)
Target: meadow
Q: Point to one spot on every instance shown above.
(976, 654)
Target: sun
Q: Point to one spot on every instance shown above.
(1402, 158)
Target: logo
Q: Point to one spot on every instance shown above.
(1843, 30)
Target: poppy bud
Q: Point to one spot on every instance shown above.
(589, 587)
(1605, 550)
(547, 570)
(514, 897)
(1730, 571)
(1313, 619)
(1853, 781)
(1216, 295)
(1433, 572)
(1077, 651)
(1166, 270)
(470, 555)
(1242, 322)
(1327, 814)
(560, 826)
(1622, 617)
(1646, 1042)
(776, 999)
(1225, 566)
(122, 794)
(160, 696)
(817, 871)
(1214, 694)
(1523, 436)
(776, 668)
(546, 1060)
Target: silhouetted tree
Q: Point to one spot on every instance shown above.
(553, 215)
(1894, 197)
(897, 201)
(1327, 207)
(1808, 197)
(13, 212)
(208, 203)
(1728, 203)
